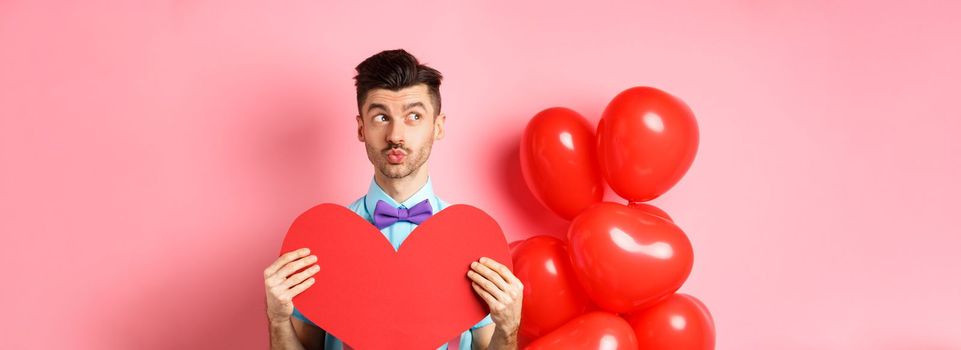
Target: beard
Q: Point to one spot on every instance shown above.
(412, 162)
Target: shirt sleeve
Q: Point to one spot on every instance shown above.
(486, 321)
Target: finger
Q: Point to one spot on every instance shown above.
(489, 286)
(491, 275)
(501, 270)
(488, 298)
(301, 276)
(284, 259)
(302, 287)
(294, 266)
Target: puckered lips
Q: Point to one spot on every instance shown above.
(396, 156)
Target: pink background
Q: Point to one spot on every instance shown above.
(153, 154)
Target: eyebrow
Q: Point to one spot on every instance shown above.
(406, 107)
(414, 104)
(376, 105)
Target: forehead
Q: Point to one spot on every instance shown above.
(398, 99)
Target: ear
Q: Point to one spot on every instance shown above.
(360, 129)
(439, 126)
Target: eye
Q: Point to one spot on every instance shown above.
(380, 117)
(415, 116)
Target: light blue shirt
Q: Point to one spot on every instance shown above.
(396, 234)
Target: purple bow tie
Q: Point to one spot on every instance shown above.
(386, 215)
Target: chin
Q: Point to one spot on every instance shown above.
(395, 171)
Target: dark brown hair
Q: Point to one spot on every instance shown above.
(395, 70)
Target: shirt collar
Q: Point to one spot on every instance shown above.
(375, 193)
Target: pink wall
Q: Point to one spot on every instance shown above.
(152, 155)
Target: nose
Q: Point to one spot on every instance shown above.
(396, 133)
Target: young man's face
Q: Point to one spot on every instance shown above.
(398, 129)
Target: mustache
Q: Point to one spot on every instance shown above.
(392, 146)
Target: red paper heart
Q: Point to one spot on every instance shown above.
(372, 297)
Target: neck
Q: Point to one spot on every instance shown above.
(400, 189)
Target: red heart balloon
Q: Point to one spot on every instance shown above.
(513, 246)
(552, 295)
(594, 330)
(627, 259)
(679, 322)
(646, 141)
(650, 209)
(559, 163)
(372, 297)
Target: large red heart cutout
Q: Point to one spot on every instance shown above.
(372, 297)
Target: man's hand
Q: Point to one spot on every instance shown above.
(503, 292)
(282, 286)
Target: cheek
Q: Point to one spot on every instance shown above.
(373, 134)
(425, 134)
(373, 139)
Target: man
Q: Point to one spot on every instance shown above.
(398, 101)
